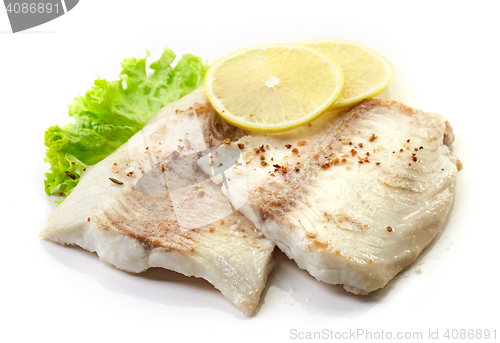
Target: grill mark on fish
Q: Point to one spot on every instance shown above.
(148, 219)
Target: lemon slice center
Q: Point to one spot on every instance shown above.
(272, 81)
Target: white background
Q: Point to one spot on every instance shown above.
(446, 59)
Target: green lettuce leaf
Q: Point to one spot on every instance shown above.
(110, 113)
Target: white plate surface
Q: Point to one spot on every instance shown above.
(446, 59)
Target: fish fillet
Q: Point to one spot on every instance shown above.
(148, 205)
(353, 199)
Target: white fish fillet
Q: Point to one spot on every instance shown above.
(166, 213)
(361, 196)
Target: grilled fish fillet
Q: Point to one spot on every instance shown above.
(352, 200)
(148, 205)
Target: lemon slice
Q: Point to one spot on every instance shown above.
(366, 72)
(273, 88)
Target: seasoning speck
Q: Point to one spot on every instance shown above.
(389, 228)
(263, 163)
(288, 146)
(227, 141)
(71, 175)
(241, 146)
(118, 182)
(295, 151)
(301, 143)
